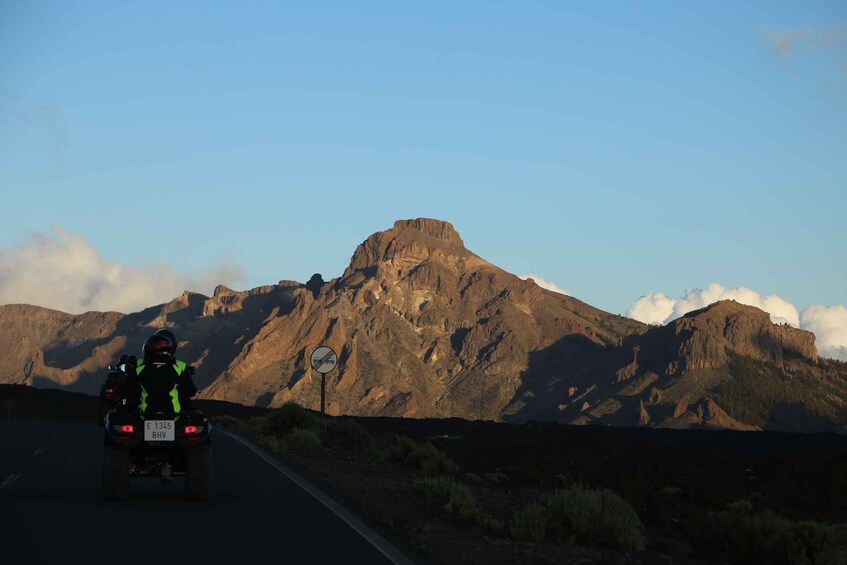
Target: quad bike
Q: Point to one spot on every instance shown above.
(161, 444)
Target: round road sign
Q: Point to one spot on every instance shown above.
(324, 359)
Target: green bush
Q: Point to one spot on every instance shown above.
(491, 523)
(258, 425)
(458, 499)
(422, 457)
(290, 416)
(227, 421)
(429, 459)
(304, 439)
(269, 443)
(399, 451)
(530, 524)
(596, 518)
(348, 434)
(769, 538)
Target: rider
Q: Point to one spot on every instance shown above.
(116, 375)
(113, 388)
(160, 383)
(170, 335)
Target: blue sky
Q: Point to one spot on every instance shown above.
(614, 149)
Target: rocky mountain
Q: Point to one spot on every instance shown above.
(724, 366)
(424, 327)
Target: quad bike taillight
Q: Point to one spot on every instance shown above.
(193, 432)
(125, 430)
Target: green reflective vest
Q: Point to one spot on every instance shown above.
(179, 367)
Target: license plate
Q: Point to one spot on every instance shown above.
(159, 430)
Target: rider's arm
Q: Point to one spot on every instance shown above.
(132, 389)
(190, 388)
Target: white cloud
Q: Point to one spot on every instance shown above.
(828, 323)
(655, 308)
(64, 272)
(544, 284)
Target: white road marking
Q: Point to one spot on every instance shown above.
(384, 546)
(39, 451)
(9, 480)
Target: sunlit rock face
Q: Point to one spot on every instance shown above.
(423, 327)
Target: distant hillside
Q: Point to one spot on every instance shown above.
(426, 328)
(724, 366)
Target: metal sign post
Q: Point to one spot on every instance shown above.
(324, 360)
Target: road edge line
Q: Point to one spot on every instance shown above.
(375, 539)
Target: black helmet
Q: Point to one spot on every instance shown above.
(158, 349)
(170, 335)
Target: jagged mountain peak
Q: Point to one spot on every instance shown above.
(221, 291)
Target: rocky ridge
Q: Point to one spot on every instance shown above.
(424, 328)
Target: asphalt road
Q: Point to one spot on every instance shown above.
(51, 510)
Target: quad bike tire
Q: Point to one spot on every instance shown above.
(198, 474)
(115, 473)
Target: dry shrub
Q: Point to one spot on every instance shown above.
(258, 425)
(458, 499)
(425, 457)
(768, 538)
(348, 434)
(269, 443)
(596, 518)
(530, 524)
(303, 439)
(227, 421)
(290, 416)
